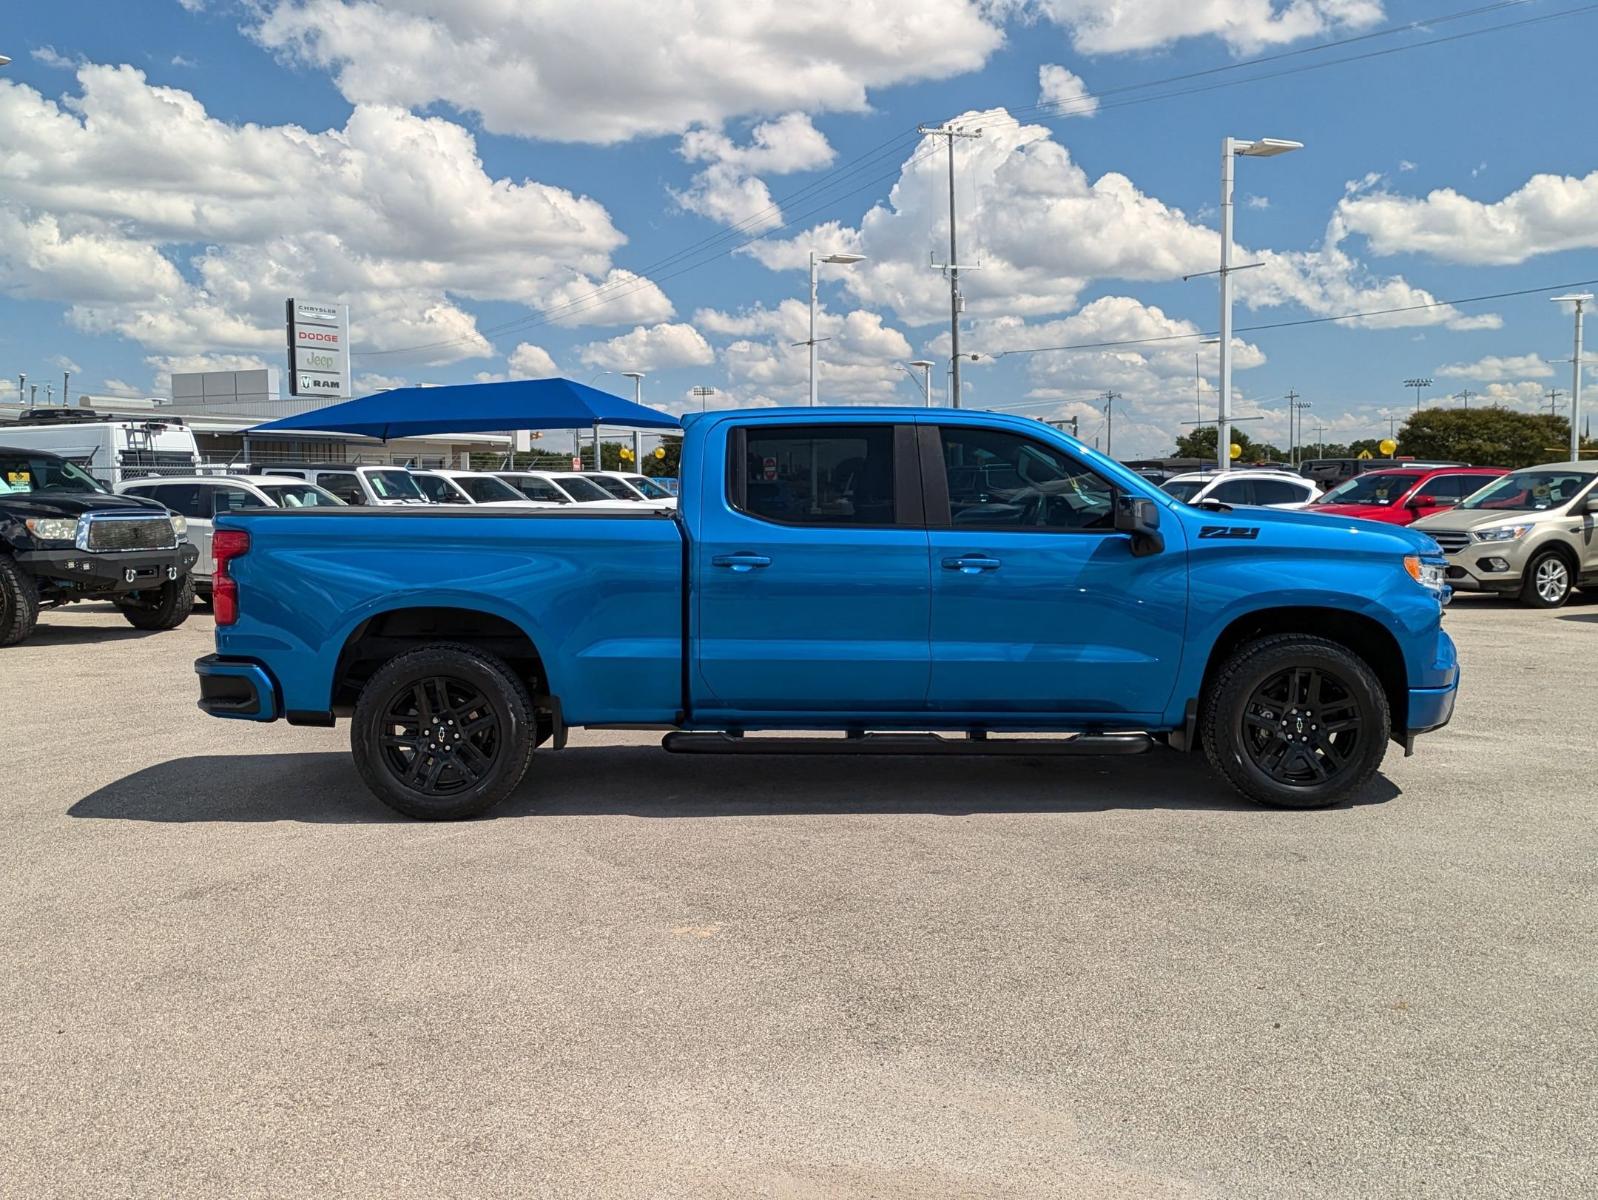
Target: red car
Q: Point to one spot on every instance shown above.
(1399, 496)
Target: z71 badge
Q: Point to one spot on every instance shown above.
(1246, 533)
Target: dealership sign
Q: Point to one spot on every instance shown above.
(319, 349)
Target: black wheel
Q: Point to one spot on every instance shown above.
(1295, 721)
(165, 607)
(1547, 581)
(19, 603)
(442, 732)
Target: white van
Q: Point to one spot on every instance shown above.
(111, 447)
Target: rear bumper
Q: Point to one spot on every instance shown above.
(236, 689)
(108, 571)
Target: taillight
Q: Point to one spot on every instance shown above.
(226, 545)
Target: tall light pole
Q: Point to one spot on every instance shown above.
(925, 382)
(704, 393)
(1417, 384)
(638, 435)
(1578, 299)
(845, 259)
(1232, 149)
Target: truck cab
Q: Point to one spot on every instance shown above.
(909, 581)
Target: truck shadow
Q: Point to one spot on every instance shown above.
(81, 635)
(642, 781)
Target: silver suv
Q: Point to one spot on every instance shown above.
(1532, 533)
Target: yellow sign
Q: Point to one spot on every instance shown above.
(1363, 454)
(1387, 446)
(660, 452)
(1236, 451)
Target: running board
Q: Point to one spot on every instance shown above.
(684, 742)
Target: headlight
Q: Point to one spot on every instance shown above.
(1506, 533)
(180, 525)
(53, 529)
(1428, 574)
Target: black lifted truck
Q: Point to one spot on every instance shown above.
(63, 537)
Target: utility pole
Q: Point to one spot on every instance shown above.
(1320, 438)
(1109, 421)
(1295, 421)
(1392, 427)
(1465, 394)
(1553, 401)
(66, 378)
(952, 267)
(1575, 377)
(1417, 384)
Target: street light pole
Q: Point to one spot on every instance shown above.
(1232, 149)
(638, 435)
(1575, 377)
(1417, 384)
(845, 259)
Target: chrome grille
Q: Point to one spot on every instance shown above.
(141, 532)
(1451, 540)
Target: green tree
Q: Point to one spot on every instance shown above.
(1200, 443)
(1486, 437)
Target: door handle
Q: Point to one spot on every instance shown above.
(741, 562)
(971, 564)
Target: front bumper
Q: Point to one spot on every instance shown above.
(111, 570)
(236, 689)
(1495, 567)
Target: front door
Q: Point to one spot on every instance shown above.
(1038, 604)
(810, 577)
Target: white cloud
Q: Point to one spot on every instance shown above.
(63, 363)
(1064, 92)
(855, 363)
(729, 190)
(1547, 214)
(1405, 165)
(1111, 26)
(528, 361)
(51, 57)
(607, 70)
(650, 348)
(183, 60)
(1494, 368)
(1257, 201)
(103, 194)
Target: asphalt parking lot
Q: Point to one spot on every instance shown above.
(226, 970)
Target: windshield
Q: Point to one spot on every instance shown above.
(1378, 488)
(617, 489)
(486, 489)
(42, 473)
(584, 491)
(299, 495)
(649, 487)
(538, 489)
(1183, 489)
(438, 489)
(394, 485)
(1530, 491)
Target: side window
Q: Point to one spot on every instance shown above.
(816, 474)
(1001, 480)
(1449, 489)
(185, 498)
(434, 488)
(1233, 491)
(1279, 491)
(345, 486)
(538, 489)
(226, 499)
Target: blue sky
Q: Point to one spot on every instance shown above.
(460, 173)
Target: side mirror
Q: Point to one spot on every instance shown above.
(1592, 503)
(1141, 518)
(1425, 500)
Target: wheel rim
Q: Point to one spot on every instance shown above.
(1302, 727)
(440, 736)
(1552, 579)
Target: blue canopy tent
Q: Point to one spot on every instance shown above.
(474, 408)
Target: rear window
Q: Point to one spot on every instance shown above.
(1182, 489)
(582, 490)
(617, 489)
(301, 495)
(485, 489)
(818, 475)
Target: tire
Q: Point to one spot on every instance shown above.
(410, 694)
(1262, 719)
(19, 603)
(1548, 580)
(167, 609)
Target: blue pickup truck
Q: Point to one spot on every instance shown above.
(891, 581)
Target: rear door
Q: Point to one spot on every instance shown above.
(1446, 490)
(810, 572)
(1038, 604)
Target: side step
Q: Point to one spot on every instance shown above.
(686, 742)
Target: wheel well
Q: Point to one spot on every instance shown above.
(1365, 636)
(378, 639)
(1572, 561)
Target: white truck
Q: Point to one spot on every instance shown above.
(112, 447)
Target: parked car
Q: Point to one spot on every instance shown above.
(1401, 496)
(1329, 472)
(354, 483)
(563, 488)
(111, 447)
(1263, 488)
(623, 485)
(64, 537)
(1533, 533)
(199, 498)
(467, 487)
(844, 569)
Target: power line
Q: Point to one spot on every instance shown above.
(608, 293)
(1348, 316)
